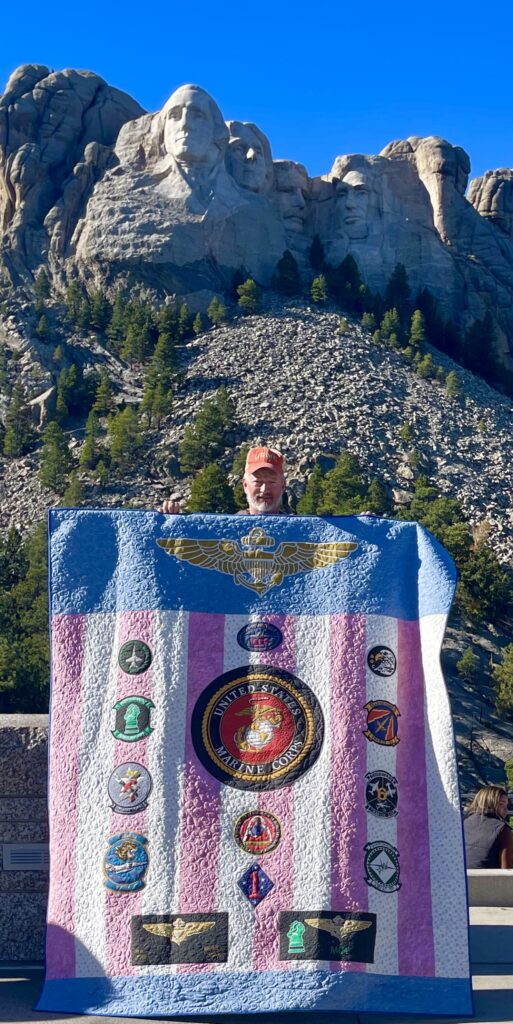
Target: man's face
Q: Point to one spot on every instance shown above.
(189, 128)
(264, 490)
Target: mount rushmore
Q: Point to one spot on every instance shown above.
(94, 188)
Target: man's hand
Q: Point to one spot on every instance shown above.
(170, 507)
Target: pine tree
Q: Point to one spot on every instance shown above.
(103, 402)
(90, 448)
(197, 324)
(83, 320)
(397, 292)
(368, 321)
(161, 405)
(163, 360)
(345, 285)
(42, 285)
(478, 352)
(18, 426)
(377, 499)
(406, 432)
(426, 367)
(204, 440)
(43, 328)
(216, 312)
(184, 321)
(317, 256)
(287, 279)
(249, 296)
(468, 665)
(390, 325)
(503, 678)
(56, 460)
(311, 501)
(61, 404)
(58, 354)
(125, 437)
(344, 490)
(116, 329)
(73, 299)
(211, 492)
(101, 474)
(417, 329)
(318, 289)
(101, 312)
(74, 494)
(452, 385)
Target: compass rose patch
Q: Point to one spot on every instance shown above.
(382, 866)
(257, 727)
(382, 723)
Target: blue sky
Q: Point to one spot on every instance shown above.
(319, 79)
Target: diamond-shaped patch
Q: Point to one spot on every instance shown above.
(255, 884)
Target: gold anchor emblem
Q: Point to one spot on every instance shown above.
(251, 564)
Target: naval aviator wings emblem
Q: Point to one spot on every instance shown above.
(251, 564)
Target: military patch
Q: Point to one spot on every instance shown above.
(257, 727)
(257, 832)
(255, 884)
(180, 939)
(382, 725)
(125, 862)
(134, 657)
(382, 661)
(129, 788)
(259, 637)
(132, 718)
(381, 794)
(382, 866)
(327, 935)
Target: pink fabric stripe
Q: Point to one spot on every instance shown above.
(348, 766)
(279, 864)
(416, 953)
(200, 827)
(120, 908)
(66, 714)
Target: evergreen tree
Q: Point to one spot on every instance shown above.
(452, 385)
(487, 585)
(74, 494)
(43, 328)
(377, 499)
(503, 678)
(390, 326)
(344, 489)
(318, 289)
(101, 475)
(426, 367)
(73, 299)
(163, 360)
(184, 321)
(368, 321)
(311, 501)
(198, 326)
(58, 354)
(42, 285)
(287, 279)
(216, 312)
(345, 285)
(161, 405)
(103, 402)
(83, 320)
(450, 341)
(211, 492)
(125, 438)
(406, 432)
(468, 665)
(116, 328)
(417, 329)
(61, 404)
(238, 468)
(101, 311)
(249, 296)
(317, 256)
(56, 460)
(433, 323)
(397, 292)
(19, 431)
(24, 647)
(150, 384)
(343, 325)
(204, 440)
(478, 350)
(90, 449)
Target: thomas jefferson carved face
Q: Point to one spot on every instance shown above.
(194, 132)
(248, 157)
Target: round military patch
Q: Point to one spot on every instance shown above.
(129, 788)
(381, 794)
(257, 832)
(257, 727)
(259, 636)
(382, 661)
(134, 657)
(382, 723)
(125, 862)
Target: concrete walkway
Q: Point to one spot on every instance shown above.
(491, 949)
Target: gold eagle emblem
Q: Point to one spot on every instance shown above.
(251, 564)
(179, 931)
(339, 927)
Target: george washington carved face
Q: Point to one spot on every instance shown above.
(193, 129)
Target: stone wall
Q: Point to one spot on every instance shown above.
(23, 836)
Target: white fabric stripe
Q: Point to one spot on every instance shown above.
(234, 802)
(448, 894)
(312, 866)
(382, 631)
(166, 758)
(94, 812)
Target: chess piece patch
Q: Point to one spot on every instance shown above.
(382, 866)
(129, 788)
(327, 935)
(125, 862)
(132, 718)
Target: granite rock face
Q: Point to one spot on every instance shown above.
(179, 200)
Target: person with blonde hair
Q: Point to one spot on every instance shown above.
(488, 837)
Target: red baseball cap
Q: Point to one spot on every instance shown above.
(264, 458)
